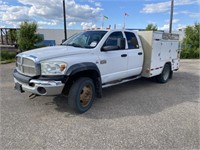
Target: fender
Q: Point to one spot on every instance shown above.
(87, 66)
(82, 67)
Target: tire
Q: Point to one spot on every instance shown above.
(81, 95)
(165, 75)
(171, 75)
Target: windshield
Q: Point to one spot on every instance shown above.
(88, 39)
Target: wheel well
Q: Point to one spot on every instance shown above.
(171, 72)
(169, 63)
(94, 75)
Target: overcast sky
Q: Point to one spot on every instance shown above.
(88, 13)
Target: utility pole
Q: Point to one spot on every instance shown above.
(171, 16)
(64, 15)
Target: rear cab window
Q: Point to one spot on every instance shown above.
(131, 40)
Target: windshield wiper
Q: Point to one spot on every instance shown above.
(74, 45)
(77, 45)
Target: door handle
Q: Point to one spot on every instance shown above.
(140, 53)
(124, 55)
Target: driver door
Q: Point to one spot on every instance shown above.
(113, 64)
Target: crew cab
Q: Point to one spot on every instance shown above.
(91, 60)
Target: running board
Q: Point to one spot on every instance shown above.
(123, 81)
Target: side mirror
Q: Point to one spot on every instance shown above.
(110, 48)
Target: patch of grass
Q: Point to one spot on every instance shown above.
(7, 57)
(7, 61)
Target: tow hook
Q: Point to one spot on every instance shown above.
(32, 96)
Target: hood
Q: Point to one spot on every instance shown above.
(53, 52)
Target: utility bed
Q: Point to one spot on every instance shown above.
(159, 48)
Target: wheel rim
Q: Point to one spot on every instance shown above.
(166, 73)
(86, 95)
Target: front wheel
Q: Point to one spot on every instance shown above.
(81, 95)
(165, 75)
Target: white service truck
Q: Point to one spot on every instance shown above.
(89, 61)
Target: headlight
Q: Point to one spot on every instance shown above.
(53, 68)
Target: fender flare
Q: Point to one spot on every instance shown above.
(82, 67)
(87, 66)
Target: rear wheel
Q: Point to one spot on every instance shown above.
(81, 95)
(165, 75)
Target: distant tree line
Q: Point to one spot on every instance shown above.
(151, 27)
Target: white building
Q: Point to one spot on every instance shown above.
(56, 34)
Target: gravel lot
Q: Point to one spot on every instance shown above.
(135, 115)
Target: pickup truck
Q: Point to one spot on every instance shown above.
(93, 59)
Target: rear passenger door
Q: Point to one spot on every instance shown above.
(135, 54)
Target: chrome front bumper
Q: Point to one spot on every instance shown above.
(40, 87)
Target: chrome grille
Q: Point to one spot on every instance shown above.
(26, 66)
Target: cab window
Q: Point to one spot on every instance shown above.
(113, 39)
(132, 40)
